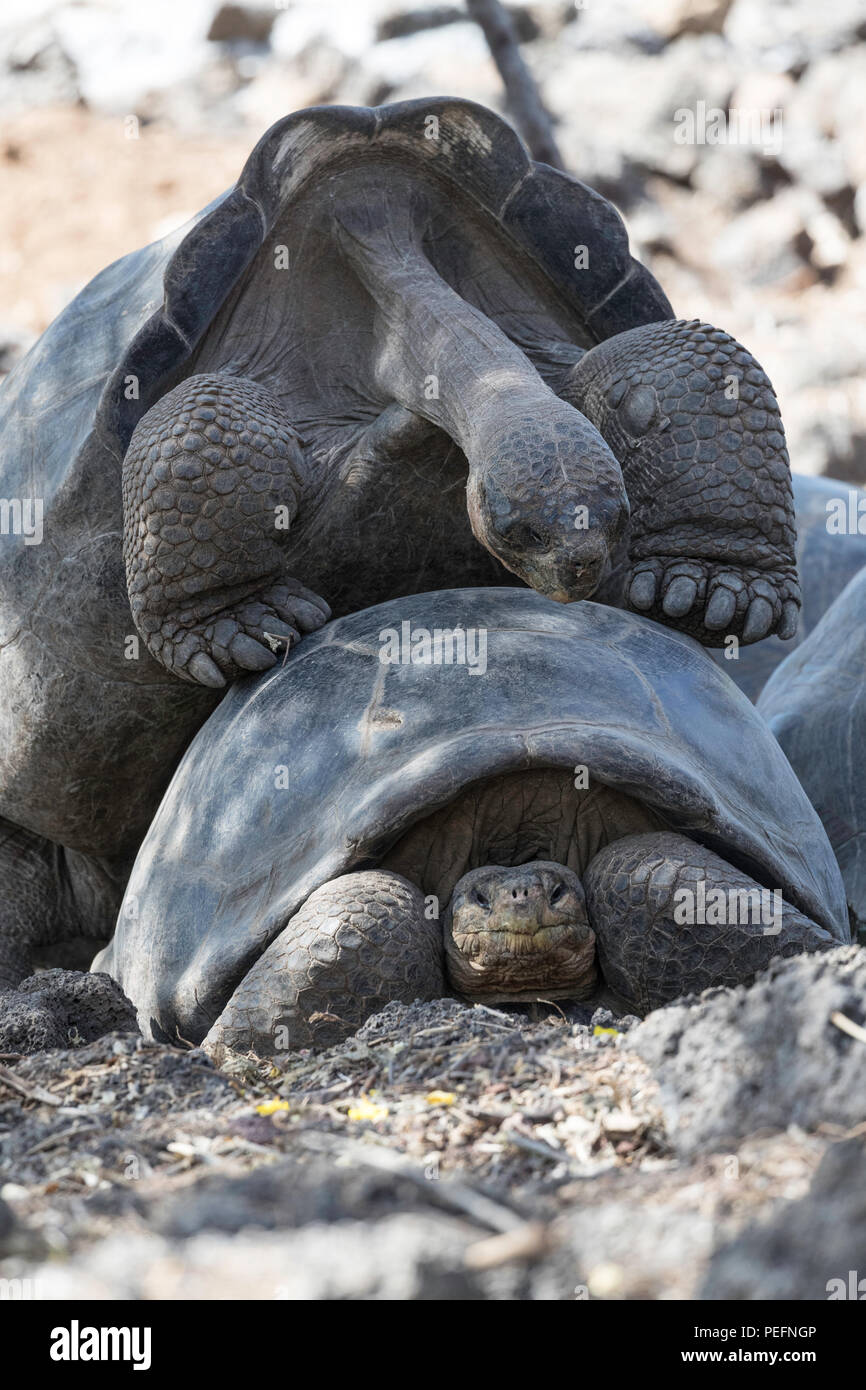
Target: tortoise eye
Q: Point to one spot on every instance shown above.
(558, 894)
(522, 536)
(481, 899)
(638, 409)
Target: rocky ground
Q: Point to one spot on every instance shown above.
(715, 1150)
(119, 120)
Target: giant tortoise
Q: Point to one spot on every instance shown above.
(815, 704)
(831, 548)
(344, 823)
(397, 355)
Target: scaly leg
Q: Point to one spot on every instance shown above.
(643, 894)
(211, 481)
(357, 943)
(693, 420)
(58, 906)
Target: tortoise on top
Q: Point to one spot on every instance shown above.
(346, 830)
(421, 287)
(396, 337)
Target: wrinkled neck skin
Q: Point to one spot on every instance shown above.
(545, 494)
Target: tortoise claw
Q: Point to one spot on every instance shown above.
(759, 620)
(643, 590)
(205, 671)
(278, 634)
(713, 602)
(720, 609)
(680, 596)
(249, 654)
(790, 620)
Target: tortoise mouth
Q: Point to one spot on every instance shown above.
(522, 961)
(517, 936)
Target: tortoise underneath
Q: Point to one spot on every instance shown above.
(566, 880)
(344, 832)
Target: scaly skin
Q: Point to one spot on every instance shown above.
(650, 958)
(512, 934)
(642, 447)
(61, 900)
(712, 536)
(710, 540)
(365, 939)
(205, 471)
(357, 943)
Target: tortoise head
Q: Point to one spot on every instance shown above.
(545, 495)
(521, 933)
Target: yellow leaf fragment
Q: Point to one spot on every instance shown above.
(440, 1098)
(367, 1109)
(270, 1107)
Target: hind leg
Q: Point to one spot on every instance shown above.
(673, 918)
(357, 943)
(57, 907)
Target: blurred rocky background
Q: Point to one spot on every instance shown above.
(119, 120)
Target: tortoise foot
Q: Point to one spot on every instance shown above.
(241, 638)
(211, 481)
(358, 942)
(692, 419)
(712, 600)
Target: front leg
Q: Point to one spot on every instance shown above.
(359, 942)
(211, 481)
(693, 420)
(58, 905)
(672, 918)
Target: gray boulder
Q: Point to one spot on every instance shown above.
(735, 1061)
(59, 1008)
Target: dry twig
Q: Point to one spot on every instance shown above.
(524, 99)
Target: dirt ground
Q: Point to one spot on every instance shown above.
(506, 1156)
